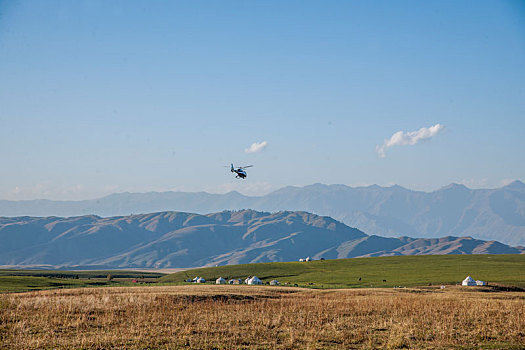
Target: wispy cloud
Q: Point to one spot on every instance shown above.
(402, 138)
(256, 147)
(50, 191)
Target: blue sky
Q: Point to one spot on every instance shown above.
(99, 97)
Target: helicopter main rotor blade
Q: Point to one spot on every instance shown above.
(244, 167)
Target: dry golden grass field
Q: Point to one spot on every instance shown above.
(253, 317)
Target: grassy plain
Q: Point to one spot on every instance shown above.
(343, 273)
(28, 280)
(253, 317)
(375, 272)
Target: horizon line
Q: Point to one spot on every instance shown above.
(517, 181)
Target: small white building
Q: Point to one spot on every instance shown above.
(220, 280)
(469, 281)
(254, 280)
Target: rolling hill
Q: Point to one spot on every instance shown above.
(454, 210)
(177, 239)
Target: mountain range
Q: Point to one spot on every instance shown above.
(454, 210)
(178, 239)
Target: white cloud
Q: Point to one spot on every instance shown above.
(256, 147)
(402, 138)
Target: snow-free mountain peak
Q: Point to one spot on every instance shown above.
(454, 187)
(490, 214)
(516, 185)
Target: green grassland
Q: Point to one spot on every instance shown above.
(418, 270)
(28, 283)
(28, 280)
(421, 270)
(80, 274)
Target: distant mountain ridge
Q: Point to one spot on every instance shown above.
(177, 239)
(454, 210)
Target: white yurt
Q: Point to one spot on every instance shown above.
(246, 280)
(308, 259)
(481, 283)
(301, 260)
(195, 279)
(220, 280)
(469, 281)
(200, 280)
(274, 283)
(254, 280)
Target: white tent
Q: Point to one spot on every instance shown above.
(220, 280)
(200, 280)
(481, 283)
(308, 259)
(469, 281)
(274, 283)
(254, 280)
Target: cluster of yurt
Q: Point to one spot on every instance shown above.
(469, 281)
(307, 259)
(252, 280)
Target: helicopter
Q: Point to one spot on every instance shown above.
(241, 173)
